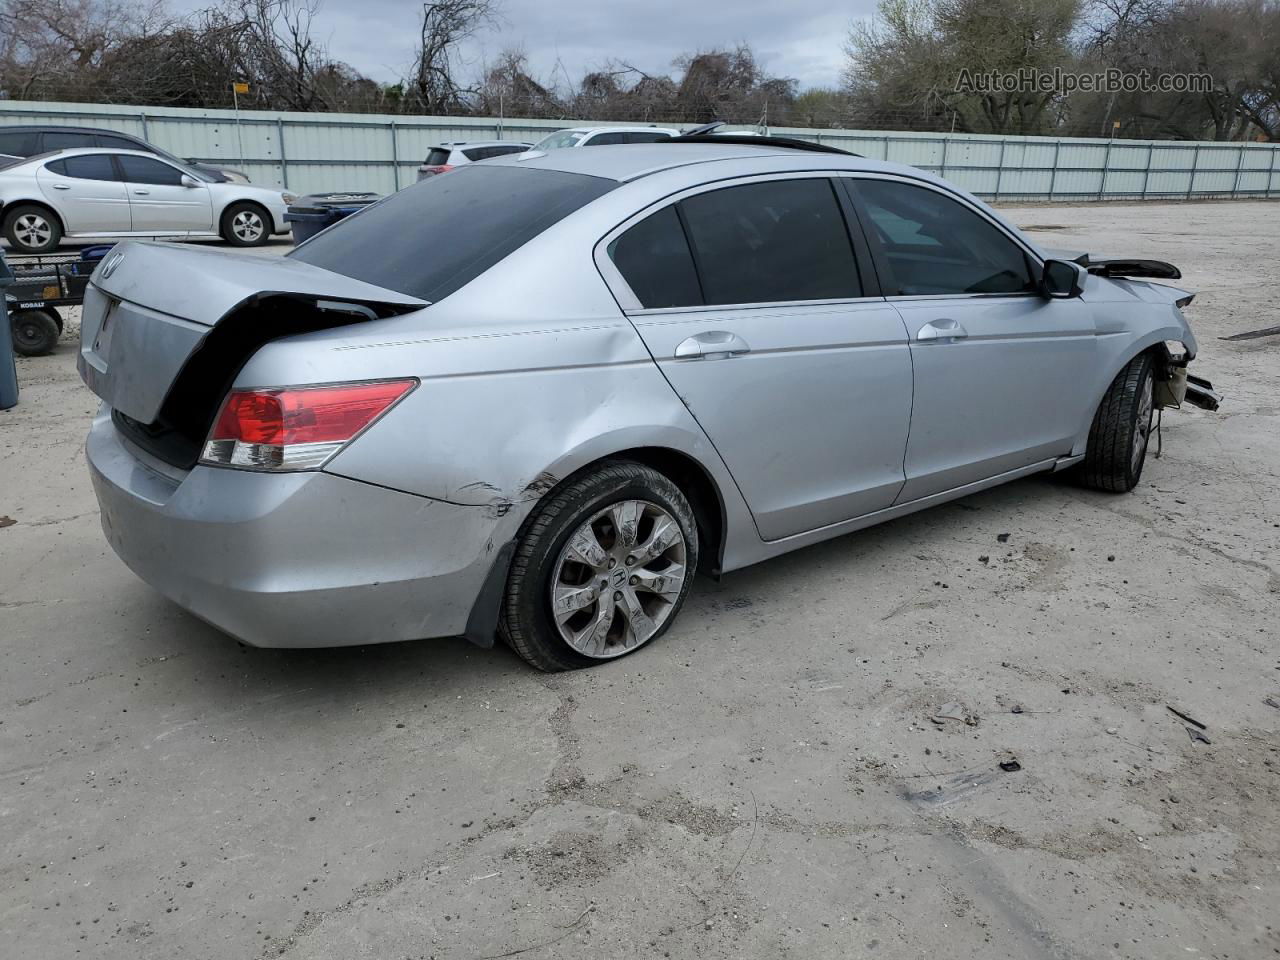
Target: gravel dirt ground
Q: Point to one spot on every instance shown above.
(766, 781)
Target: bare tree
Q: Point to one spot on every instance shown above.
(445, 24)
(510, 90)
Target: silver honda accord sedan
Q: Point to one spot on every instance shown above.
(531, 399)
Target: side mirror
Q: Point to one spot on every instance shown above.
(189, 181)
(1062, 279)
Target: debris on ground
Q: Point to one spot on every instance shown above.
(1272, 702)
(1196, 735)
(1002, 537)
(1182, 716)
(7, 522)
(1010, 766)
(953, 711)
(1017, 708)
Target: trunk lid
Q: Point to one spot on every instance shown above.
(165, 328)
(150, 306)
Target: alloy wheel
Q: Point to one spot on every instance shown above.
(32, 229)
(1142, 424)
(247, 226)
(618, 578)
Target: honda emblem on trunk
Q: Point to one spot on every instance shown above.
(110, 264)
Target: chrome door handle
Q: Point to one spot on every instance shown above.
(712, 345)
(944, 330)
(142, 193)
(62, 186)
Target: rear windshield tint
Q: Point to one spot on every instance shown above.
(432, 238)
(438, 157)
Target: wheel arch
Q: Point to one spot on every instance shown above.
(227, 207)
(1150, 341)
(33, 202)
(683, 469)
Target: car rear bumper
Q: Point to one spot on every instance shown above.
(294, 559)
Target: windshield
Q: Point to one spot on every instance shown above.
(432, 238)
(561, 138)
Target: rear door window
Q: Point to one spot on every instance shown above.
(432, 238)
(18, 144)
(605, 139)
(59, 140)
(769, 242)
(88, 166)
(654, 258)
(937, 246)
(146, 170)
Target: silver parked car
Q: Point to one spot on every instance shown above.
(98, 192)
(642, 361)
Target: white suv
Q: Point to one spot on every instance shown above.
(600, 136)
(445, 157)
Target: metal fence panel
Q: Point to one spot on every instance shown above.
(312, 152)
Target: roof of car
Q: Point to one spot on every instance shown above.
(459, 144)
(79, 151)
(640, 128)
(60, 128)
(630, 161)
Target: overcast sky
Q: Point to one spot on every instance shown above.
(795, 38)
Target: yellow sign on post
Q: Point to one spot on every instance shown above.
(239, 87)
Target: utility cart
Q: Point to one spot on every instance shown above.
(41, 284)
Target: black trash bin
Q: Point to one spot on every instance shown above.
(311, 214)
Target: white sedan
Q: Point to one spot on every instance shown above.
(127, 193)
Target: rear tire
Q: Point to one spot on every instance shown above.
(636, 528)
(31, 228)
(1121, 429)
(245, 224)
(35, 332)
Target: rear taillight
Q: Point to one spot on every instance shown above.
(437, 168)
(296, 428)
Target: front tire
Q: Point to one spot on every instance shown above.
(35, 332)
(1121, 429)
(601, 568)
(31, 228)
(246, 225)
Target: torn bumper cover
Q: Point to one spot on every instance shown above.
(1200, 393)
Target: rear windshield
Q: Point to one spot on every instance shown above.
(438, 157)
(432, 238)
